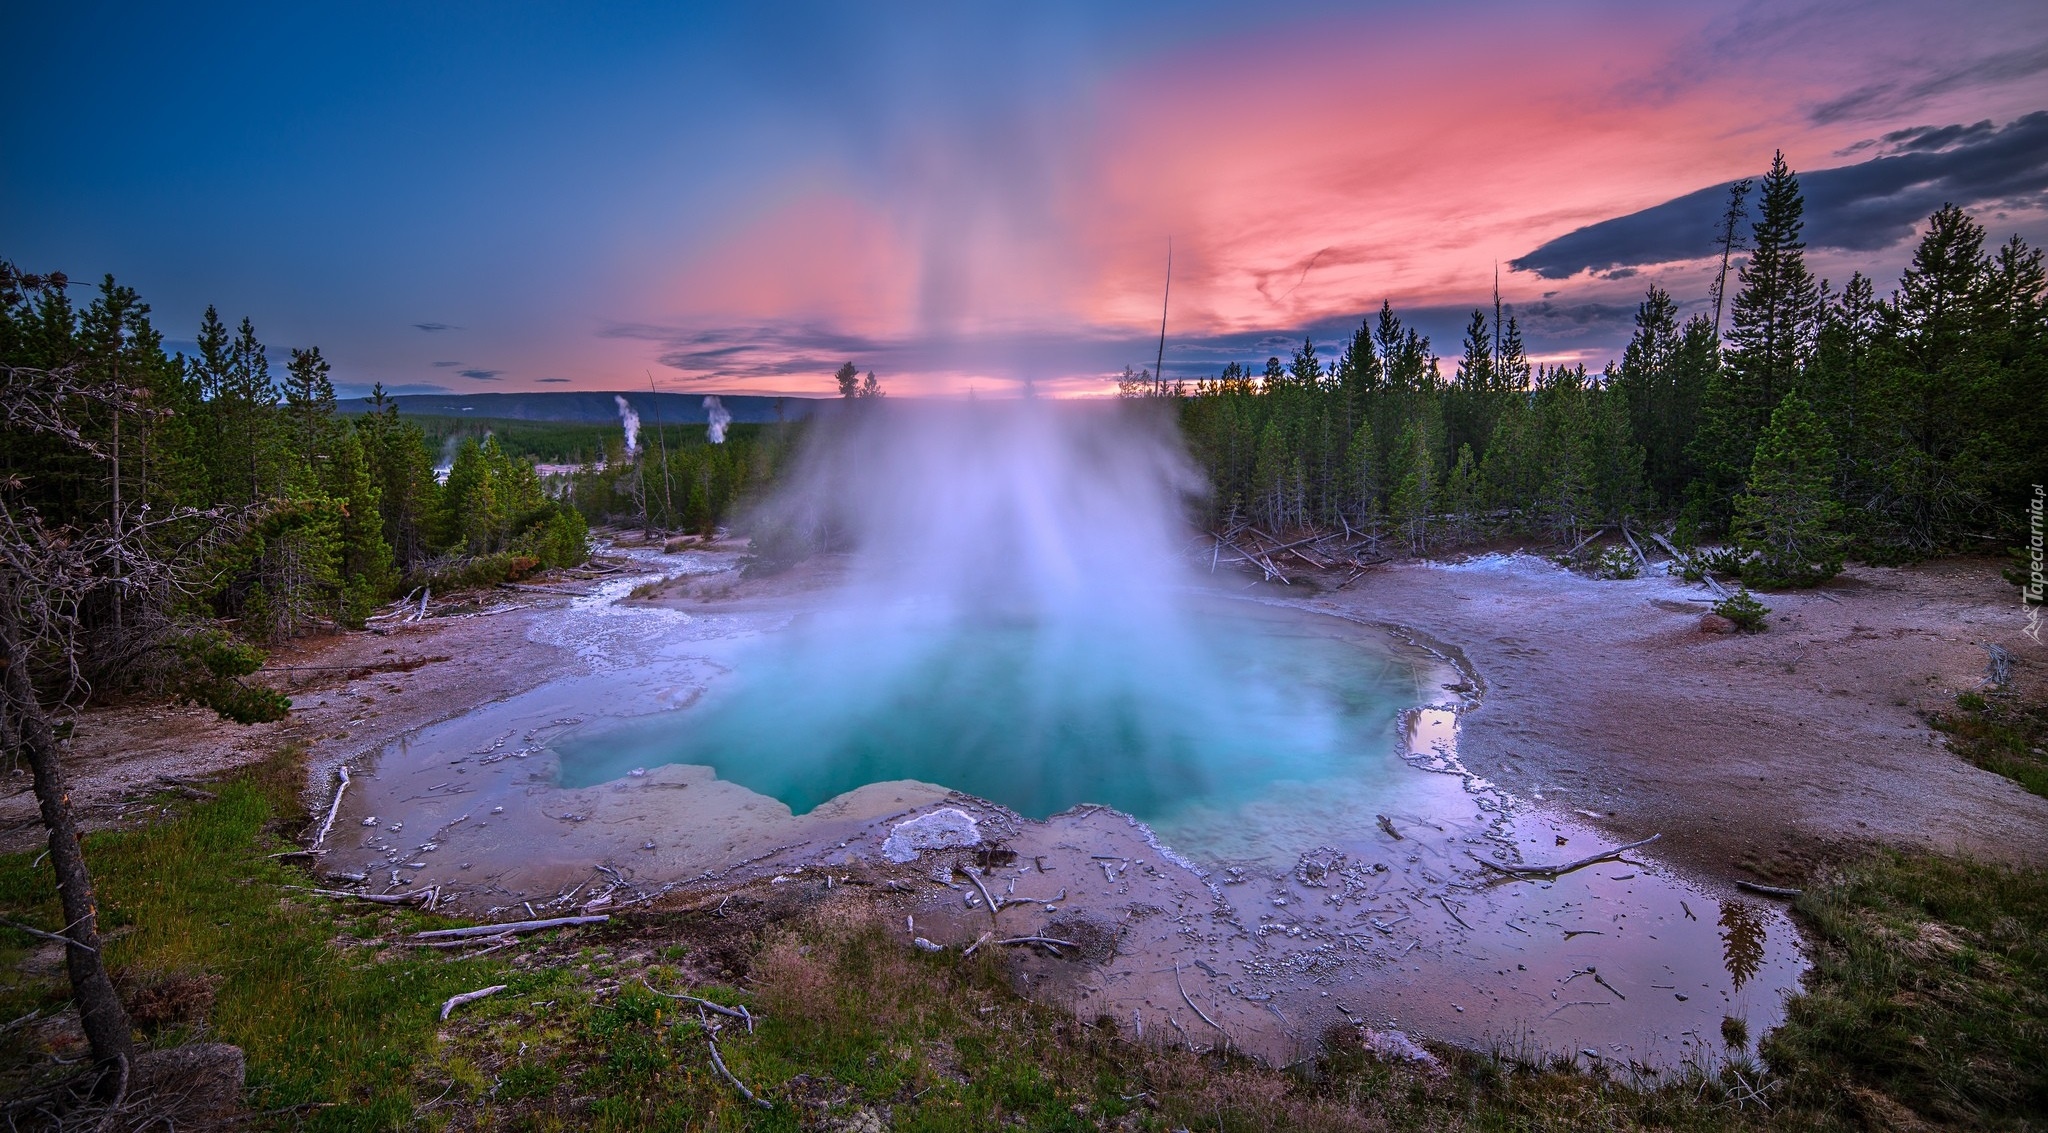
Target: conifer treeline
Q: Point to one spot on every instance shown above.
(1829, 422)
(340, 511)
(678, 480)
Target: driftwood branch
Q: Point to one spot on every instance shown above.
(1050, 942)
(1192, 1006)
(994, 906)
(1769, 890)
(34, 931)
(512, 927)
(710, 1040)
(374, 898)
(333, 809)
(455, 1001)
(1561, 870)
(740, 1013)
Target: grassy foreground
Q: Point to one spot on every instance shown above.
(1926, 1005)
(2001, 733)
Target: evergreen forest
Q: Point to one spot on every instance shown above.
(1825, 422)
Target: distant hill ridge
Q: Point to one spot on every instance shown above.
(594, 407)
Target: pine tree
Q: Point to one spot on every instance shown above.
(1787, 522)
(309, 405)
(1360, 492)
(1461, 498)
(1646, 382)
(848, 378)
(1778, 307)
(366, 562)
(1776, 316)
(1415, 486)
(1512, 366)
(1936, 461)
(1472, 400)
(402, 469)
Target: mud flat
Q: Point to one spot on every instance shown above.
(1259, 928)
(1569, 716)
(1749, 752)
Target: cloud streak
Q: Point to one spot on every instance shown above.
(1864, 207)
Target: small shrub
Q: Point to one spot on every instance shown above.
(206, 668)
(1616, 563)
(1744, 610)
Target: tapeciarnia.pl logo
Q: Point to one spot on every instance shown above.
(2037, 573)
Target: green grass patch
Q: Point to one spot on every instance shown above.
(194, 897)
(2002, 734)
(1927, 1000)
(1930, 988)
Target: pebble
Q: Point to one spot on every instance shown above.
(370, 821)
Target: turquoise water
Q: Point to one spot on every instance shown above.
(1224, 710)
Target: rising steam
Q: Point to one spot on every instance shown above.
(716, 418)
(631, 418)
(1016, 621)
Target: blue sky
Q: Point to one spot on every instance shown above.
(738, 199)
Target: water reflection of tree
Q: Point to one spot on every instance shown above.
(1742, 940)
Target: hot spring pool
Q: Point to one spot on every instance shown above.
(1245, 703)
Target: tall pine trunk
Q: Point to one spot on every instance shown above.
(106, 1024)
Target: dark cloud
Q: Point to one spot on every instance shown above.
(432, 327)
(482, 375)
(550, 381)
(447, 365)
(1862, 207)
(1896, 95)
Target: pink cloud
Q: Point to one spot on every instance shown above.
(1303, 177)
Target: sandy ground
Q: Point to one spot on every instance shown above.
(351, 695)
(1748, 751)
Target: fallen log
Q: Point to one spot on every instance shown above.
(1640, 556)
(511, 927)
(1568, 867)
(1583, 542)
(374, 898)
(1769, 890)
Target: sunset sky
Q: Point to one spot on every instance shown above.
(499, 197)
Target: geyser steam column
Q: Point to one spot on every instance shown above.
(1016, 624)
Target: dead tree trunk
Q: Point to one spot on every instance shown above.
(106, 1022)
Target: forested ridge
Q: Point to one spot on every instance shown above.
(1826, 422)
(270, 512)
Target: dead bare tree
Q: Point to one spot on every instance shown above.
(1729, 243)
(54, 582)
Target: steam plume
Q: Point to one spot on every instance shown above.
(1013, 594)
(632, 422)
(717, 418)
